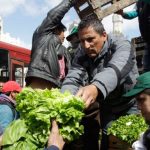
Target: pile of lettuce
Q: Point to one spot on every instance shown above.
(37, 108)
(128, 128)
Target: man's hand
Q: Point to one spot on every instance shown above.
(55, 138)
(88, 94)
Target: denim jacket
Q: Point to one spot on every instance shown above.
(7, 111)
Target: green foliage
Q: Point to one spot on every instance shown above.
(37, 108)
(128, 128)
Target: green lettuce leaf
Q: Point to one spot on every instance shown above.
(37, 108)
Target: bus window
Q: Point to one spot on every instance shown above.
(17, 71)
(18, 74)
(14, 62)
(4, 73)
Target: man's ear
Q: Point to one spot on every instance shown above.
(104, 34)
(11, 95)
(57, 31)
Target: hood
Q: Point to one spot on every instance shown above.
(5, 98)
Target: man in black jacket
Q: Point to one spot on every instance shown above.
(49, 59)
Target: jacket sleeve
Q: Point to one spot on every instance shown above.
(6, 116)
(119, 66)
(75, 77)
(130, 15)
(52, 147)
(55, 16)
(146, 1)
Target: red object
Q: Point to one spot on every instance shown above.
(16, 52)
(11, 86)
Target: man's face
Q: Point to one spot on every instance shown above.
(61, 36)
(74, 40)
(91, 41)
(144, 105)
(13, 95)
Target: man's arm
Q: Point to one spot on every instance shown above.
(55, 140)
(74, 79)
(54, 16)
(121, 63)
(130, 14)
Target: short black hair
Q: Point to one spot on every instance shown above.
(7, 93)
(61, 27)
(91, 21)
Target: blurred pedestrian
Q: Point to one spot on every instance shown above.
(8, 112)
(142, 93)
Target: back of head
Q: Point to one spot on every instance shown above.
(11, 86)
(91, 21)
(143, 83)
(59, 28)
(73, 32)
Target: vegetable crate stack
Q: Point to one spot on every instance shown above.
(100, 8)
(125, 131)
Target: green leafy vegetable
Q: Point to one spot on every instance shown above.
(128, 128)
(37, 108)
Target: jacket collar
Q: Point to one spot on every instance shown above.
(4, 98)
(104, 50)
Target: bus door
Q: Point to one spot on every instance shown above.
(4, 65)
(17, 71)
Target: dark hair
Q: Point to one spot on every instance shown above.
(61, 27)
(91, 21)
(7, 93)
(147, 91)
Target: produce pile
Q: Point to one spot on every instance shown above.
(128, 128)
(37, 108)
